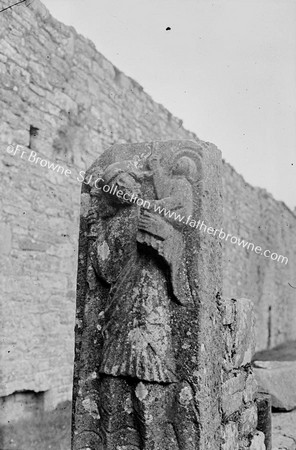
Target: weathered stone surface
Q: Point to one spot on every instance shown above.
(230, 436)
(232, 393)
(238, 332)
(250, 388)
(147, 289)
(248, 420)
(278, 378)
(244, 332)
(227, 309)
(258, 441)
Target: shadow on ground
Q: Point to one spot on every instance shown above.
(49, 431)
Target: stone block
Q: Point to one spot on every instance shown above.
(23, 23)
(39, 9)
(257, 442)
(227, 309)
(248, 420)
(228, 340)
(109, 68)
(7, 49)
(123, 81)
(63, 101)
(244, 332)
(97, 70)
(251, 388)
(230, 436)
(6, 131)
(232, 394)
(278, 378)
(37, 89)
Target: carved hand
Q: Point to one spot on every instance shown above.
(153, 224)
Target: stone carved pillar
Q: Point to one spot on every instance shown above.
(148, 358)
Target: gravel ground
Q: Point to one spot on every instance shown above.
(284, 431)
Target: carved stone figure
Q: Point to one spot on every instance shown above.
(134, 386)
(136, 328)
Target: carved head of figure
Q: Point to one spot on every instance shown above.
(123, 177)
(186, 167)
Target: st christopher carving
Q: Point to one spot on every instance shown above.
(131, 392)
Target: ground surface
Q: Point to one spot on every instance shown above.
(52, 432)
(284, 423)
(284, 431)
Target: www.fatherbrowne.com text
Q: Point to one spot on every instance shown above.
(189, 220)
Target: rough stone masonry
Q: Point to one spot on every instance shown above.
(162, 361)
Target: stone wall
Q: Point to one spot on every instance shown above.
(55, 80)
(253, 215)
(239, 387)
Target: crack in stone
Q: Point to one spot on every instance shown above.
(11, 6)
